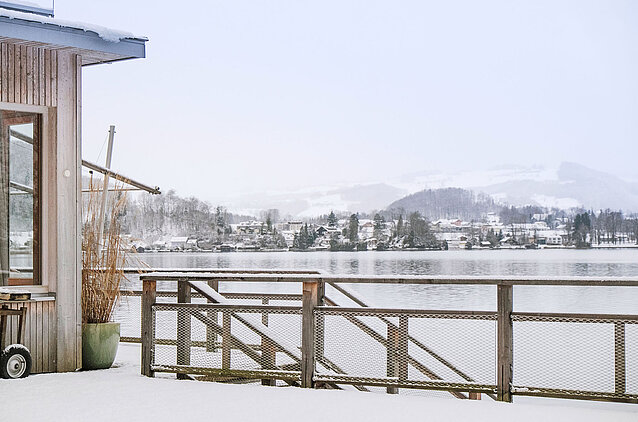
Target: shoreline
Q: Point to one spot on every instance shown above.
(517, 248)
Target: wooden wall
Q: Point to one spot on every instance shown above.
(29, 75)
(48, 81)
(39, 332)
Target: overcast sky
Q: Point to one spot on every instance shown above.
(241, 96)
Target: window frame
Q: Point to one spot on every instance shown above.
(44, 186)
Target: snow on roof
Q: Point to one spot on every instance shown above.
(107, 34)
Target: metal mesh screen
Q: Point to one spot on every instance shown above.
(575, 356)
(423, 351)
(128, 314)
(209, 337)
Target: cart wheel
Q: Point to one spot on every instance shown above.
(15, 362)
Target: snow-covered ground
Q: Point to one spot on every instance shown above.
(122, 394)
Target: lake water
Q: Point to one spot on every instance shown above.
(548, 262)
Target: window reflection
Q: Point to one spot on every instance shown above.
(19, 208)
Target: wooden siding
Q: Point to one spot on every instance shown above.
(48, 81)
(29, 75)
(39, 333)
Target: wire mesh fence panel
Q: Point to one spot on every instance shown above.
(128, 311)
(355, 352)
(128, 314)
(405, 348)
(573, 354)
(228, 339)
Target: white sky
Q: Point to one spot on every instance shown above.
(241, 96)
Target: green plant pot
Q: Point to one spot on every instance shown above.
(99, 344)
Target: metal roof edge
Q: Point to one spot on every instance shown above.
(47, 33)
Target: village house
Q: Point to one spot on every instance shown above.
(177, 243)
(250, 227)
(41, 60)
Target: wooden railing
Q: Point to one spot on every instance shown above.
(311, 367)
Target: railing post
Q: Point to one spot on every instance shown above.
(321, 322)
(505, 342)
(402, 355)
(268, 354)
(619, 358)
(148, 331)
(183, 323)
(211, 337)
(392, 347)
(226, 334)
(309, 301)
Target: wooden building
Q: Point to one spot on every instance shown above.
(41, 60)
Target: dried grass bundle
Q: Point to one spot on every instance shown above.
(102, 266)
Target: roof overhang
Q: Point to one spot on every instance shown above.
(86, 42)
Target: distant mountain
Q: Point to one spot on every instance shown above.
(570, 185)
(447, 203)
(575, 186)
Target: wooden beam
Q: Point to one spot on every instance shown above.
(268, 351)
(4, 206)
(148, 330)
(620, 371)
(392, 350)
(222, 276)
(183, 327)
(310, 301)
(505, 343)
(226, 339)
(211, 337)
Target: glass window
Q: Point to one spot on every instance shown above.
(19, 198)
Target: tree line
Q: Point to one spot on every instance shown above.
(152, 217)
(605, 227)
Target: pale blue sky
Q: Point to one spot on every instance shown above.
(252, 95)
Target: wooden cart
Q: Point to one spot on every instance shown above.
(15, 359)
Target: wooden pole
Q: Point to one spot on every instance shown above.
(211, 337)
(268, 353)
(392, 347)
(183, 327)
(619, 358)
(505, 343)
(309, 301)
(4, 206)
(105, 190)
(148, 330)
(321, 322)
(402, 355)
(226, 338)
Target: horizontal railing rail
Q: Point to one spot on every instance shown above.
(316, 344)
(275, 277)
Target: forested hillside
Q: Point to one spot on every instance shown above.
(447, 203)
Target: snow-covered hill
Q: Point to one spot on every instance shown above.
(569, 185)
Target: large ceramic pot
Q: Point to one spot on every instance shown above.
(99, 344)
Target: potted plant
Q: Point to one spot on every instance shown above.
(103, 259)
